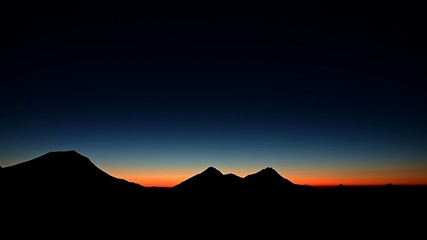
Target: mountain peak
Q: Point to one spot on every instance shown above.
(209, 177)
(267, 177)
(268, 171)
(212, 172)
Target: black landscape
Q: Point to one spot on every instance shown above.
(64, 186)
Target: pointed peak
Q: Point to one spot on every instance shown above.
(212, 171)
(210, 176)
(268, 169)
(268, 176)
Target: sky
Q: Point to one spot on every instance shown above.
(325, 92)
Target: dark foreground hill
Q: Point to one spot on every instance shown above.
(67, 192)
(62, 174)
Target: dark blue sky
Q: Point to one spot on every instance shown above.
(297, 85)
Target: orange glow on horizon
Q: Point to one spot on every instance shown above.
(358, 175)
(351, 176)
(170, 182)
(172, 179)
(155, 179)
(361, 179)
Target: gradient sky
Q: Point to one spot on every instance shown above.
(326, 93)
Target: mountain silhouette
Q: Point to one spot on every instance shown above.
(62, 173)
(69, 173)
(213, 178)
(64, 185)
(210, 179)
(210, 184)
(213, 184)
(267, 178)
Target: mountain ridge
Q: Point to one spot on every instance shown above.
(84, 192)
(65, 173)
(65, 170)
(71, 160)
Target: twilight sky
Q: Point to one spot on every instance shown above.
(323, 92)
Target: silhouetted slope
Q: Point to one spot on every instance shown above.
(233, 180)
(210, 186)
(62, 173)
(267, 178)
(210, 180)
